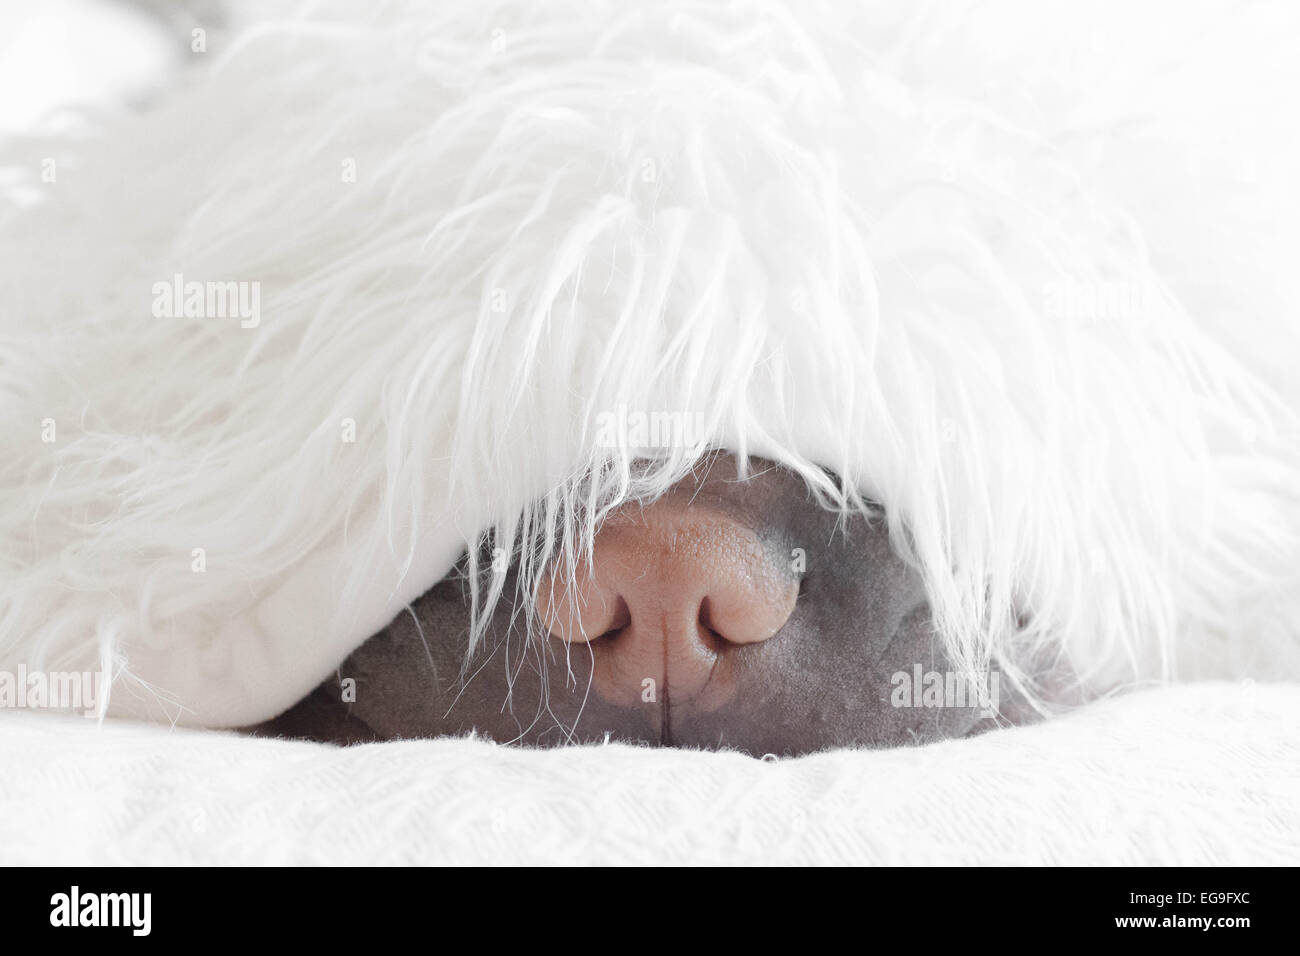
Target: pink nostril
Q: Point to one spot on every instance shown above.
(673, 586)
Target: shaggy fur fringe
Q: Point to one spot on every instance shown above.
(1019, 275)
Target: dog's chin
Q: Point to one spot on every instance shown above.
(415, 679)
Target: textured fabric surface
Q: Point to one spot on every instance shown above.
(1202, 774)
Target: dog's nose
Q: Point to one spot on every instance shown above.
(671, 589)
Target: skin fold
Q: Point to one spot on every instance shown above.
(727, 614)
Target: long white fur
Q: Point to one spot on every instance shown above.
(854, 240)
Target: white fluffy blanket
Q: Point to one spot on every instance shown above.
(1200, 774)
(1020, 273)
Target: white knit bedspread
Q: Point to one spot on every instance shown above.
(1201, 774)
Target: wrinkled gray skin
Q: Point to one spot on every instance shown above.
(824, 680)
